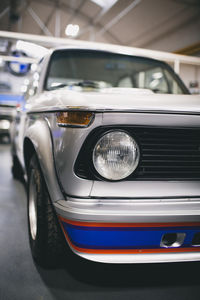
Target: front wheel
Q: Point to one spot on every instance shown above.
(46, 240)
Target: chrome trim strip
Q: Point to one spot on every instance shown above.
(140, 258)
(99, 110)
(98, 210)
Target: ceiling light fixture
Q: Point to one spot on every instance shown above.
(72, 30)
(105, 3)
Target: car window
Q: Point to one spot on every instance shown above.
(174, 87)
(153, 79)
(111, 70)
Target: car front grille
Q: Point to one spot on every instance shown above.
(165, 154)
(169, 153)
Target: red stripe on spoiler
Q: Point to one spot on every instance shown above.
(96, 224)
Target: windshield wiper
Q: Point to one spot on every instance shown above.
(86, 83)
(82, 83)
(158, 91)
(58, 86)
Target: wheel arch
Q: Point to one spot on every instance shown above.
(38, 141)
(29, 151)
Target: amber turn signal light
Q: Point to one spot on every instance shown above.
(74, 118)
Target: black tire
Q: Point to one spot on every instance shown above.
(17, 172)
(47, 243)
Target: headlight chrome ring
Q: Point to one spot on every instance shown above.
(116, 155)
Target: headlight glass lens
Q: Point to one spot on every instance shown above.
(115, 155)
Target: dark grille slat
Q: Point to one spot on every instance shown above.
(172, 156)
(170, 165)
(173, 167)
(166, 146)
(171, 150)
(169, 140)
(174, 171)
(161, 162)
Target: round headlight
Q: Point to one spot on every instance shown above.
(115, 155)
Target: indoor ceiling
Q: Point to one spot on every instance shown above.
(167, 25)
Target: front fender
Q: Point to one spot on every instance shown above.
(39, 135)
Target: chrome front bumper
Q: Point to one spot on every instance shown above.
(130, 210)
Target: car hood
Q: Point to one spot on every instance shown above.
(113, 99)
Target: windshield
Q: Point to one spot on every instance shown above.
(105, 69)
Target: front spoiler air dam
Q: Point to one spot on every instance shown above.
(129, 238)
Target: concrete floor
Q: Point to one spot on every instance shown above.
(21, 279)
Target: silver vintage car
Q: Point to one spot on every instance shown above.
(109, 144)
